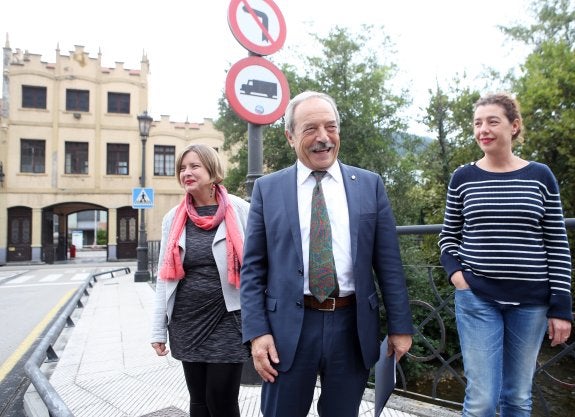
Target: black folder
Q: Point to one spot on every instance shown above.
(384, 378)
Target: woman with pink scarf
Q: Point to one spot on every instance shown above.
(197, 293)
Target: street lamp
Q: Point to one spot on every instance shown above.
(143, 274)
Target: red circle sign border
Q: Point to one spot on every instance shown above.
(237, 105)
(248, 44)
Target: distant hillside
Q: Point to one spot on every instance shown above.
(408, 142)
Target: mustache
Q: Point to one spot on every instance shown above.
(322, 146)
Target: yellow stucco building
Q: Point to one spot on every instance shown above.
(70, 142)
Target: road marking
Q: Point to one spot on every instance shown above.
(44, 284)
(50, 278)
(10, 274)
(13, 359)
(21, 279)
(80, 277)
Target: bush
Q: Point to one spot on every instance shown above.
(102, 237)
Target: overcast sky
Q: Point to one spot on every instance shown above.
(190, 45)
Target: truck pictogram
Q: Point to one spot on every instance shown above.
(260, 88)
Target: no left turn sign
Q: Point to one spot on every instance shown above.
(258, 25)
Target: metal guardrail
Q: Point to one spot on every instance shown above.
(432, 229)
(55, 405)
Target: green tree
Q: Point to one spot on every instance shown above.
(547, 95)
(546, 91)
(101, 237)
(450, 115)
(437, 120)
(348, 68)
(235, 142)
(554, 20)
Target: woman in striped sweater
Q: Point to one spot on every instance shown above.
(504, 247)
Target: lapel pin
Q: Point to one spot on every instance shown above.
(353, 177)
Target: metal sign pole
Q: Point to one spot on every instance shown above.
(255, 88)
(255, 156)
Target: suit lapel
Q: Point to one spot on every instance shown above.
(352, 184)
(290, 206)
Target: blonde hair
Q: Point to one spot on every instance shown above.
(209, 158)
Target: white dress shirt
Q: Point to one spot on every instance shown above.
(336, 202)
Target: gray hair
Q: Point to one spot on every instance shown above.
(294, 102)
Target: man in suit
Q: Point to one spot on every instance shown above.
(295, 335)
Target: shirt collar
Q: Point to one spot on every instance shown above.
(304, 172)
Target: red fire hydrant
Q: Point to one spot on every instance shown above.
(72, 251)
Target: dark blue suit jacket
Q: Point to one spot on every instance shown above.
(272, 275)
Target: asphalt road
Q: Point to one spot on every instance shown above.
(31, 297)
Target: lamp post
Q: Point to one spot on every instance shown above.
(143, 274)
(1, 174)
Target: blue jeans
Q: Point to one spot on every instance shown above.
(499, 344)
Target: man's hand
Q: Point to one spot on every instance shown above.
(264, 353)
(398, 343)
(160, 348)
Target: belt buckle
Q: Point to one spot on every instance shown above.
(332, 304)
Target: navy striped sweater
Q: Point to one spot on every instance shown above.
(506, 232)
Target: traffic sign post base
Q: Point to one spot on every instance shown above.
(142, 274)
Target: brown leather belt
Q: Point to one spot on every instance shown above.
(329, 304)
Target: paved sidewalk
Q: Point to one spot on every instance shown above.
(108, 369)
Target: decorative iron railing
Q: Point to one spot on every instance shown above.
(436, 346)
(432, 371)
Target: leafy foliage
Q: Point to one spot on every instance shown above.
(449, 114)
(547, 96)
(235, 134)
(101, 237)
(349, 69)
(554, 21)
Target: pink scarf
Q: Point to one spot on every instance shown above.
(172, 268)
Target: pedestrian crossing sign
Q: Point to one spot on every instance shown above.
(142, 198)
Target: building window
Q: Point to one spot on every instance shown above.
(119, 103)
(33, 97)
(164, 160)
(77, 100)
(76, 158)
(32, 156)
(118, 157)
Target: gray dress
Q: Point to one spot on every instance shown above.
(201, 329)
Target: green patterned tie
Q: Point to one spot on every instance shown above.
(322, 274)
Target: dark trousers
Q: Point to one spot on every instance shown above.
(214, 388)
(328, 347)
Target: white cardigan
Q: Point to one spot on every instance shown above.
(166, 290)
